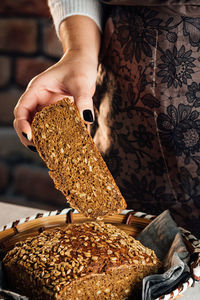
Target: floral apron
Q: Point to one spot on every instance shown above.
(148, 108)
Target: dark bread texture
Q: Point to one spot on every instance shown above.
(76, 166)
(89, 261)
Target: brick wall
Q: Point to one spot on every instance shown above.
(28, 45)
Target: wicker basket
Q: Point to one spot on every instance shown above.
(129, 221)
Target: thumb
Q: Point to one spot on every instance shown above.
(82, 93)
(85, 106)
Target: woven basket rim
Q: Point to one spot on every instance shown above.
(39, 222)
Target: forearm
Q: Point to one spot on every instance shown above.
(82, 34)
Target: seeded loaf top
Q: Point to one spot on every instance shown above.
(75, 164)
(64, 260)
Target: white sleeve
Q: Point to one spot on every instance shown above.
(61, 9)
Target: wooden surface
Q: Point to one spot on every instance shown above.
(11, 212)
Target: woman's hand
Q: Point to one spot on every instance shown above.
(74, 75)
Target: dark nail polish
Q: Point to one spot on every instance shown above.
(25, 135)
(87, 115)
(32, 148)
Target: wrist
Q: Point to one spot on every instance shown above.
(81, 54)
(80, 34)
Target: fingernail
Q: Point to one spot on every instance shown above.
(29, 136)
(25, 135)
(32, 148)
(87, 115)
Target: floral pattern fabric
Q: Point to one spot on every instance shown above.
(148, 110)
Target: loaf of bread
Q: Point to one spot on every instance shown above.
(76, 166)
(89, 261)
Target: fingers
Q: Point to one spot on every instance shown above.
(22, 112)
(23, 130)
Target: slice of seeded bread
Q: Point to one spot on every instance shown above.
(76, 166)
